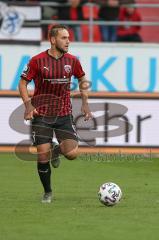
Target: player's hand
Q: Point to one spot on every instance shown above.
(30, 111)
(29, 115)
(86, 112)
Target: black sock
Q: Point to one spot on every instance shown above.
(44, 171)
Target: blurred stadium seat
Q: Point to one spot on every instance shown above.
(85, 28)
(149, 14)
(149, 11)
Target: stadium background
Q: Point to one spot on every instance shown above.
(115, 70)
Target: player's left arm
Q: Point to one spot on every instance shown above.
(83, 87)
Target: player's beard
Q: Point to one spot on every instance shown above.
(61, 50)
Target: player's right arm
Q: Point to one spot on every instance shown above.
(30, 111)
(28, 74)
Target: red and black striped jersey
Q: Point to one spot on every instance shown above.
(52, 79)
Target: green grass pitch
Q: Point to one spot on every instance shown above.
(76, 213)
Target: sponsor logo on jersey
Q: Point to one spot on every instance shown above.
(57, 80)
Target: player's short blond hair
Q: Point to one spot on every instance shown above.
(53, 31)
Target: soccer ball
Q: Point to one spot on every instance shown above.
(109, 194)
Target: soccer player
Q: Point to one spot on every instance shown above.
(50, 108)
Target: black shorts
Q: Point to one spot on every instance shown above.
(43, 129)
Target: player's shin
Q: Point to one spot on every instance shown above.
(44, 172)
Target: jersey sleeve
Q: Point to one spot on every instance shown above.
(30, 71)
(78, 71)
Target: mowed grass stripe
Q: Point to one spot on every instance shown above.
(76, 212)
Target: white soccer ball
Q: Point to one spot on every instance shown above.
(109, 194)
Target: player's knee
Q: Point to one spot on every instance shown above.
(43, 158)
(43, 152)
(71, 155)
(69, 149)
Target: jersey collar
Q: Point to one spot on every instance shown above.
(47, 52)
